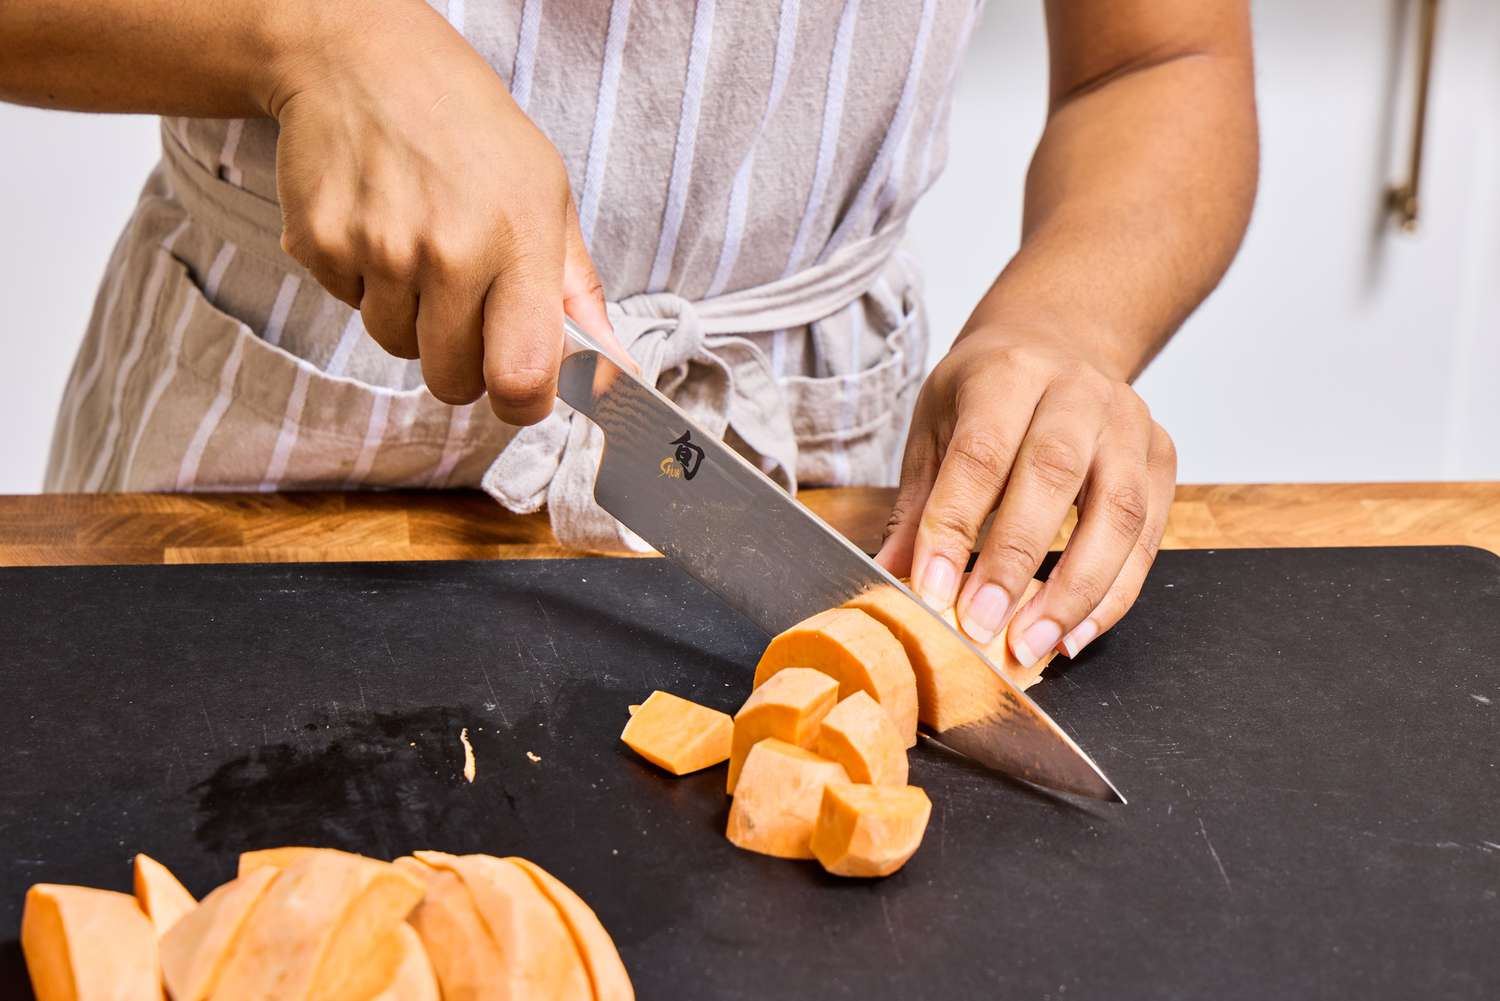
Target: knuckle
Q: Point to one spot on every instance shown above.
(1014, 558)
(388, 251)
(949, 527)
(1126, 507)
(520, 387)
(1056, 462)
(982, 456)
(1084, 588)
(1163, 449)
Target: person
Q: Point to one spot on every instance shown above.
(370, 215)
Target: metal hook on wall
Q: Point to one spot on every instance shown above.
(1402, 198)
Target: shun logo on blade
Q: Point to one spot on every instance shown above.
(685, 459)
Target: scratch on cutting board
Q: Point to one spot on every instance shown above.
(1217, 861)
(1483, 700)
(213, 737)
(463, 738)
(890, 928)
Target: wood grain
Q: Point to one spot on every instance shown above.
(451, 525)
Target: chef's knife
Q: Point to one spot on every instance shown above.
(727, 524)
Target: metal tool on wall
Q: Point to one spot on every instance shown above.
(1403, 197)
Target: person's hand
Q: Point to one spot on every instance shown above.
(1022, 426)
(414, 188)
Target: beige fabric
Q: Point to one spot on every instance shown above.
(743, 170)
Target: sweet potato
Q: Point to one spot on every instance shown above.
(776, 802)
(853, 647)
(869, 830)
(606, 971)
(858, 734)
(789, 707)
(83, 944)
(195, 950)
(160, 895)
(464, 957)
(678, 735)
(414, 979)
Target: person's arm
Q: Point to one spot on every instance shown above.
(412, 187)
(1139, 193)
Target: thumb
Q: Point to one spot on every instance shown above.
(583, 293)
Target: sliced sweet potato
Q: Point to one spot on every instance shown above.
(853, 647)
(319, 930)
(83, 944)
(195, 950)
(281, 858)
(677, 734)
(998, 649)
(953, 686)
(859, 735)
(160, 895)
(788, 707)
(464, 957)
(414, 979)
(540, 956)
(776, 804)
(869, 830)
(606, 971)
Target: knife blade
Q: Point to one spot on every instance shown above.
(728, 525)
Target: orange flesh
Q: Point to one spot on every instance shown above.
(194, 952)
(998, 649)
(858, 734)
(83, 944)
(788, 707)
(282, 858)
(847, 644)
(678, 735)
(868, 830)
(606, 971)
(953, 686)
(414, 979)
(776, 805)
(160, 895)
(463, 956)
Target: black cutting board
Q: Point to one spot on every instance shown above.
(1308, 740)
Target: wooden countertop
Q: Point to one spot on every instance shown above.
(419, 525)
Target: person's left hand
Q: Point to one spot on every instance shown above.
(1022, 425)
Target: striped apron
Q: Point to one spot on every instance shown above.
(743, 170)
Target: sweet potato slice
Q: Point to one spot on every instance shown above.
(776, 804)
(83, 944)
(319, 930)
(998, 650)
(540, 956)
(194, 951)
(953, 686)
(859, 735)
(678, 735)
(160, 895)
(869, 830)
(788, 707)
(464, 957)
(606, 971)
(414, 979)
(853, 647)
(282, 858)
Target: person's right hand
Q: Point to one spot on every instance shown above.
(414, 188)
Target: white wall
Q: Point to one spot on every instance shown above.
(1337, 349)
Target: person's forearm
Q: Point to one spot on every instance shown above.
(168, 57)
(1136, 201)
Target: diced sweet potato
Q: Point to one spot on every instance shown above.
(541, 958)
(83, 944)
(679, 735)
(776, 804)
(788, 707)
(414, 979)
(853, 647)
(859, 735)
(606, 971)
(319, 930)
(195, 950)
(953, 686)
(464, 957)
(160, 895)
(869, 830)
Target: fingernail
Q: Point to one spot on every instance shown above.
(939, 583)
(1081, 636)
(985, 613)
(1041, 636)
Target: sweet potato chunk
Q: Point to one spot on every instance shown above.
(998, 649)
(605, 969)
(847, 644)
(788, 707)
(678, 735)
(540, 956)
(869, 830)
(953, 686)
(319, 930)
(414, 979)
(463, 955)
(159, 894)
(859, 735)
(194, 951)
(776, 804)
(83, 944)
